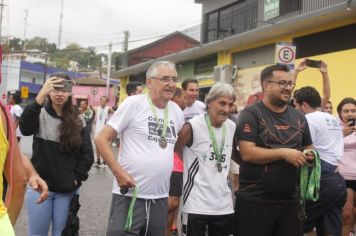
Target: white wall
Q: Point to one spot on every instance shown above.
(26, 76)
(10, 76)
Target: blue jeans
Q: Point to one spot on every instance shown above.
(54, 209)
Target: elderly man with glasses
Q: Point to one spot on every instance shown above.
(148, 125)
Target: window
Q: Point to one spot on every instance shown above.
(225, 23)
(233, 19)
(333, 40)
(205, 65)
(287, 6)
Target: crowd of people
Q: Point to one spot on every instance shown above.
(284, 165)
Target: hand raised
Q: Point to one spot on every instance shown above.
(302, 66)
(324, 67)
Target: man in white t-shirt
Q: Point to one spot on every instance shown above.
(194, 107)
(16, 110)
(206, 143)
(148, 126)
(101, 117)
(325, 214)
(134, 88)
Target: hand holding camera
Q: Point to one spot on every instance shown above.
(349, 127)
(351, 122)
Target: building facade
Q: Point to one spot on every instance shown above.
(243, 35)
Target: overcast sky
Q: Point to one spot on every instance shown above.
(97, 22)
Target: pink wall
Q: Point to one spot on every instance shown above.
(83, 92)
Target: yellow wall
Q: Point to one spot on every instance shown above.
(342, 73)
(123, 82)
(342, 65)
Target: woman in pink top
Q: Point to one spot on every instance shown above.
(347, 114)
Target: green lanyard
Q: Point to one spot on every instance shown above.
(310, 185)
(128, 222)
(165, 122)
(217, 152)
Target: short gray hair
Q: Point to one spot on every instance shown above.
(152, 70)
(219, 90)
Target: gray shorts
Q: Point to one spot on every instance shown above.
(149, 216)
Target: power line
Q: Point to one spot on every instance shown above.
(66, 32)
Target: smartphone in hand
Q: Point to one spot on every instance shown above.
(67, 86)
(312, 63)
(351, 122)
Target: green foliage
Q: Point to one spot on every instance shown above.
(86, 57)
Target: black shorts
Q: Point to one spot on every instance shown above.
(325, 214)
(216, 225)
(351, 184)
(176, 184)
(267, 219)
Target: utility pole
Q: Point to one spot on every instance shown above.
(2, 6)
(125, 48)
(25, 30)
(45, 68)
(108, 73)
(60, 26)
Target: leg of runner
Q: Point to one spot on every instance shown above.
(348, 213)
(221, 225)
(173, 204)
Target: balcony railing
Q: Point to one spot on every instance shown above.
(250, 14)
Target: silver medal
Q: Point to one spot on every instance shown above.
(219, 167)
(162, 142)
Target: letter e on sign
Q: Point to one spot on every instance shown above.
(285, 54)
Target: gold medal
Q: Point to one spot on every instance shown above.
(162, 142)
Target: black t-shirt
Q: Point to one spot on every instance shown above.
(275, 181)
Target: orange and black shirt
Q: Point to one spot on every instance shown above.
(275, 181)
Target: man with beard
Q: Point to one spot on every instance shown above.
(194, 107)
(271, 137)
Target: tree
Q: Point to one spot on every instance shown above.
(37, 43)
(15, 44)
(12, 44)
(86, 57)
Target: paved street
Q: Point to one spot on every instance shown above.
(95, 198)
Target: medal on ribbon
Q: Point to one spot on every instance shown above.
(162, 142)
(218, 151)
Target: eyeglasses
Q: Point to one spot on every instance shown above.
(167, 79)
(283, 84)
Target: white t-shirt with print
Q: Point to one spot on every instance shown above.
(195, 109)
(327, 136)
(140, 154)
